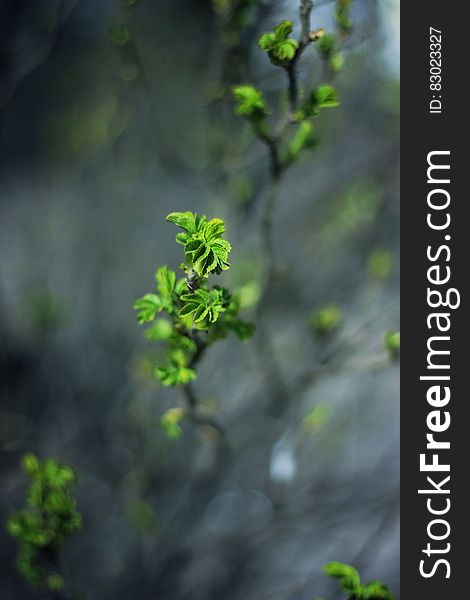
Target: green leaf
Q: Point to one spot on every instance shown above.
(376, 590)
(342, 17)
(327, 45)
(214, 229)
(267, 41)
(336, 62)
(190, 222)
(30, 464)
(205, 251)
(202, 305)
(147, 307)
(166, 280)
(65, 476)
(51, 470)
(380, 263)
(159, 330)
(303, 138)
(281, 50)
(326, 96)
(347, 576)
(171, 422)
(249, 102)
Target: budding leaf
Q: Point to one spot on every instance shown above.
(174, 375)
(147, 307)
(302, 139)
(376, 590)
(190, 222)
(327, 45)
(171, 422)
(347, 576)
(280, 48)
(249, 102)
(203, 305)
(326, 96)
(342, 17)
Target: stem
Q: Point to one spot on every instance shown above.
(265, 347)
(305, 11)
(192, 401)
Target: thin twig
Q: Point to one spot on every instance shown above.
(192, 401)
(305, 11)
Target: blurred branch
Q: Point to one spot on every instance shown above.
(305, 11)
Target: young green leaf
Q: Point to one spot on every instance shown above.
(376, 590)
(280, 48)
(326, 96)
(203, 305)
(170, 422)
(392, 343)
(174, 375)
(249, 102)
(327, 45)
(147, 306)
(303, 138)
(190, 222)
(347, 576)
(161, 329)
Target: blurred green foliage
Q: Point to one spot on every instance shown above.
(44, 525)
(171, 422)
(392, 343)
(142, 517)
(380, 263)
(279, 46)
(326, 320)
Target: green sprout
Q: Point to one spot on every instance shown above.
(279, 46)
(349, 581)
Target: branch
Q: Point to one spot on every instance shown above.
(305, 11)
(192, 401)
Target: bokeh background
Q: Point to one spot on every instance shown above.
(111, 116)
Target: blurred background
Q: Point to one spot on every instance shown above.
(113, 114)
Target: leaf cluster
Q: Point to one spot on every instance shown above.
(281, 49)
(350, 583)
(42, 527)
(194, 314)
(326, 320)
